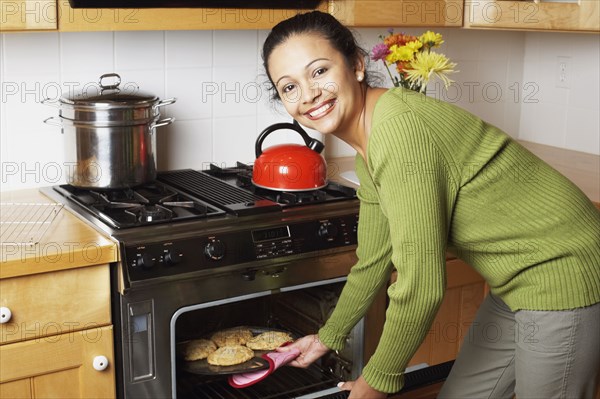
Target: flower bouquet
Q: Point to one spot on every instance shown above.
(415, 62)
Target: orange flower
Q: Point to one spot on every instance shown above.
(401, 67)
(399, 39)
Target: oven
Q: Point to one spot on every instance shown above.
(154, 320)
(202, 251)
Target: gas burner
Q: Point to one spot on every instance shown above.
(149, 213)
(241, 176)
(150, 204)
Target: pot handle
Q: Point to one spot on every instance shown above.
(163, 122)
(311, 143)
(46, 101)
(162, 103)
(53, 121)
(112, 86)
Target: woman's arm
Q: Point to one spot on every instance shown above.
(416, 193)
(369, 274)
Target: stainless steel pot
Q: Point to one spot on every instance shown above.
(109, 135)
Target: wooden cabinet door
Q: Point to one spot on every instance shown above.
(392, 13)
(580, 15)
(56, 302)
(58, 366)
(132, 19)
(19, 15)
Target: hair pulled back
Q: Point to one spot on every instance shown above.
(318, 23)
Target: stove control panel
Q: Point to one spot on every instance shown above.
(239, 246)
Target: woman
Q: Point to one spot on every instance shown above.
(434, 177)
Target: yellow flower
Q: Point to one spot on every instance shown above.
(414, 45)
(426, 64)
(402, 53)
(431, 39)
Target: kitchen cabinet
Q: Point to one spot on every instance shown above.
(62, 366)
(57, 339)
(106, 19)
(22, 15)
(580, 15)
(392, 13)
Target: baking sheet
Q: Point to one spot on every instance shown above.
(256, 363)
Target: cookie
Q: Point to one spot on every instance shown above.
(269, 340)
(197, 349)
(230, 355)
(232, 336)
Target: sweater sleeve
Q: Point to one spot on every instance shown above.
(416, 194)
(369, 274)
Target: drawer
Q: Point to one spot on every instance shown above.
(63, 366)
(54, 303)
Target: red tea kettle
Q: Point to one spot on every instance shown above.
(289, 167)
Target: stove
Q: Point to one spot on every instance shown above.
(195, 241)
(151, 204)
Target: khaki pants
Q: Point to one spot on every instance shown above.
(530, 354)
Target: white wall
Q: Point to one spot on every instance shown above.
(222, 104)
(563, 117)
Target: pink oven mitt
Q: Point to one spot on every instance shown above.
(275, 359)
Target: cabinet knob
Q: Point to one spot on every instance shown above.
(5, 315)
(100, 363)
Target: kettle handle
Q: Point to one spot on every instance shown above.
(311, 143)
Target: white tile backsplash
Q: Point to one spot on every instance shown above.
(88, 51)
(189, 49)
(234, 139)
(223, 104)
(31, 53)
(237, 91)
(193, 89)
(140, 50)
(184, 144)
(235, 47)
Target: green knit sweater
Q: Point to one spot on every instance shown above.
(439, 178)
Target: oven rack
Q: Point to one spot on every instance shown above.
(285, 383)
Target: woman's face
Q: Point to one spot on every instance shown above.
(315, 83)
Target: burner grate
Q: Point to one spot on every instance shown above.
(217, 192)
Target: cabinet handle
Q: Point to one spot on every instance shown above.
(5, 315)
(100, 363)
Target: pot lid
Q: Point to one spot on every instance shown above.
(110, 95)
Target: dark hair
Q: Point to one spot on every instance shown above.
(317, 22)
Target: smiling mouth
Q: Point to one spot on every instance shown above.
(320, 111)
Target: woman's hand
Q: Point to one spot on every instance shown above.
(359, 389)
(310, 348)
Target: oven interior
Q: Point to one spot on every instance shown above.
(300, 312)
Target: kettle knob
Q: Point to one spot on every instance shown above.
(311, 143)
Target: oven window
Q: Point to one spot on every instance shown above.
(299, 312)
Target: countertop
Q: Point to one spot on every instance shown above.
(71, 243)
(67, 243)
(581, 168)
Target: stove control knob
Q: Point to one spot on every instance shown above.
(214, 250)
(172, 258)
(146, 261)
(328, 231)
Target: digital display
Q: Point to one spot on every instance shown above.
(271, 234)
